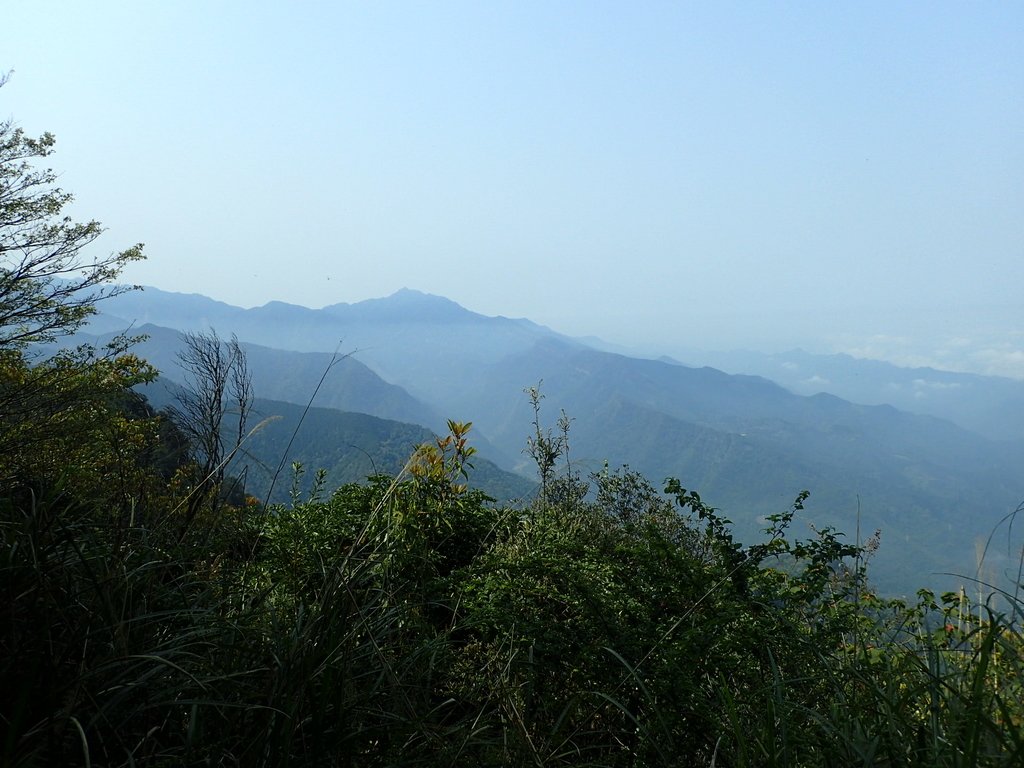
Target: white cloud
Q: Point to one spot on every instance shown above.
(991, 354)
(922, 384)
(1003, 360)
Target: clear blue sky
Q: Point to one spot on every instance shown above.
(834, 175)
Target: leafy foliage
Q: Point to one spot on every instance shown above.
(48, 287)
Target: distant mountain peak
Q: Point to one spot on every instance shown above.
(281, 309)
(411, 296)
(406, 292)
(404, 305)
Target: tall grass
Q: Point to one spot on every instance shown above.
(105, 638)
(942, 689)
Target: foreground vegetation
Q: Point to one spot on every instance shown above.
(155, 615)
(407, 620)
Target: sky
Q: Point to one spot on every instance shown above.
(663, 175)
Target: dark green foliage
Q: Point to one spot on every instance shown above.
(408, 620)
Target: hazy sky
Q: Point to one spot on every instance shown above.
(836, 175)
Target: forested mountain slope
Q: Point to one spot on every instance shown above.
(746, 444)
(349, 447)
(348, 384)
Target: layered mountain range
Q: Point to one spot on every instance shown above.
(937, 475)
